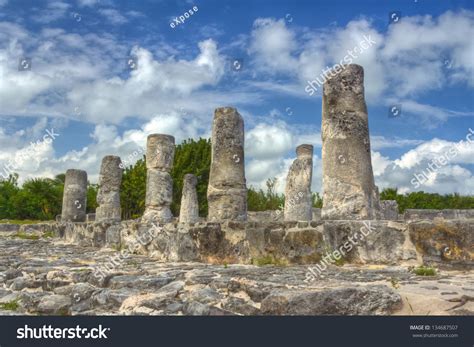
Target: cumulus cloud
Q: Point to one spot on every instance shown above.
(433, 166)
(418, 55)
(86, 77)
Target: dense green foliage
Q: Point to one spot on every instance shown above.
(132, 194)
(41, 198)
(260, 200)
(37, 199)
(190, 157)
(422, 200)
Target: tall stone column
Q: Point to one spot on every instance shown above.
(189, 211)
(108, 196)
(74, 196)
(348, 179)
(159, 184)
(227, 191)
(298, 199)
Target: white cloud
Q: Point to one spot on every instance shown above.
(85, 77)
(113, 16)
(272, 44)
(436, 162)
(53, 11)
(418, 55)
(268, 141)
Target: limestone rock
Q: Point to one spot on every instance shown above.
(159, 184)
(108, 196)
(298, 198)
(227, 191)
(389, 209)
(189, 210)
(348, 179)
(74, 196)
(368, 300)
(55, 305)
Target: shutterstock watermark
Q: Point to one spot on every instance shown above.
(338, 254)
(48, 332)
(312, 86)
(29, 152)
(437, 163)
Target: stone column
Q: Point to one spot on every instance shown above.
(189, 211)
(108, 196)
(348, 180)
(159, 185)
(298, 199)
(74, 196)
(227, 191)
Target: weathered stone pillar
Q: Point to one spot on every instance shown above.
(298, 199)
(227, 191)
(159, 185)
(74, 196)
(189, 211)
(348, 179)
(108, 196)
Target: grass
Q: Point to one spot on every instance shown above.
(20, 222)
(25, 236)
(424, 271)
(48, 234)
(268, 260)
(10, 306)
(339, 262)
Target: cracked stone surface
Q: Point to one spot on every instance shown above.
(48, 276)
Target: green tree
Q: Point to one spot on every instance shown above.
(317, 200)
(8, 190)
(191, 157)
(259, 200)
(39, 198)
(133, 190)
(92, 190)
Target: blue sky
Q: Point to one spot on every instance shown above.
(78, 82)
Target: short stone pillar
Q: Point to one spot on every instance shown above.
(189, 211)
(298, 199)
(389, 209)
(348, 179)
(74, 196)
(108, 196)
(227, 191)
(159, 184)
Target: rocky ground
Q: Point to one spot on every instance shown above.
(47, 276)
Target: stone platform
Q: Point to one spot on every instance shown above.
(49, 276)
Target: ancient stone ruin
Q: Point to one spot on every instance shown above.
(227, 190)
(189, 210)
(108, 196)
(74, 196)
(303, 234)
(348, 179)
(298, 202)
(159, 184)
(142, 256)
